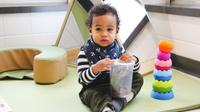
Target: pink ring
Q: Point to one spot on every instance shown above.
(167, 63)
(163, 56)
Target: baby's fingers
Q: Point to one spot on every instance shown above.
(109, 61)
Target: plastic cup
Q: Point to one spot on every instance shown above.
(121, 78)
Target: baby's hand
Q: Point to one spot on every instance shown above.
(102, 65)
(127, 58)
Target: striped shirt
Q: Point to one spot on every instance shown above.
(86, 76)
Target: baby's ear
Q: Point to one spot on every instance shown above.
(90, 30)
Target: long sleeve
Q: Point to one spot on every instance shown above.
(85, 73)
(137, 65)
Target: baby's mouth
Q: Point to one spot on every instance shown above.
(104, 40)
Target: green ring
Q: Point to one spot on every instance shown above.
(162, 86)
(162, 89)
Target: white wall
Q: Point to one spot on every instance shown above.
(183, 31)
(187, 2)
(155, 1)
(10, 3)
(40, 28)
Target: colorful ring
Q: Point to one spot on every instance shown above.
(163, 55)
(165, 46)
(162, 86)
(162, 96)
(162, 75)
(162, 63)
(162, 68)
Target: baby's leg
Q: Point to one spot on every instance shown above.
(97, 98)
(120, 103)
(137, 83)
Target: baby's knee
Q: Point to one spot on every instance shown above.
(138, 79)
(141, 79)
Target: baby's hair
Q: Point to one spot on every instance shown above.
(100, 10)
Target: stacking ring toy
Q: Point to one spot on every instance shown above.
(162, 75)
(167, 63)
(165, 46)
(162, 68)
(162, 86)
(163, 56)
(162, 96)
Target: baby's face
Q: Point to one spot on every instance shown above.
(104, 29)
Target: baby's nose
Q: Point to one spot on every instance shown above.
(104, 33)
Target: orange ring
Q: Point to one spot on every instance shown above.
(165, 46)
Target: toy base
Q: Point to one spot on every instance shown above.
(162, 96)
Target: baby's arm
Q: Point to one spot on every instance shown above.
(85, 73)
(88, 73)
(102, 65)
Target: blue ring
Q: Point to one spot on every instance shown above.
(162, 96)
(164, 75)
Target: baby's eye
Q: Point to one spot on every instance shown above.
(98, 29)
(110, 29)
